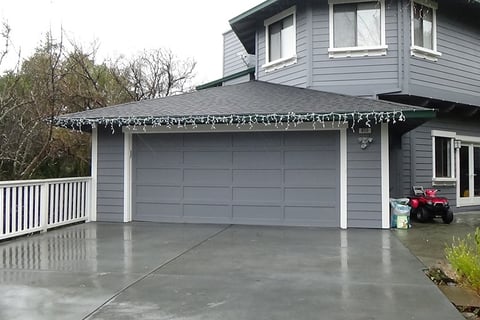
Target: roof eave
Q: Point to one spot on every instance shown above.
(244, 25)
(85, 124)
(252, 11)
(420, 114)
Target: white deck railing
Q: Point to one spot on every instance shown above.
(38, 205)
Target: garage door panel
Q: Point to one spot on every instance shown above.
(163, 176)
(310, 159)
(257, 159)
(207, 193)
(251, 140)
(153, 160)
(205, 140)
(208, 159)
(166, 212)
(274, 178)
(246, 213)
(310, 195)
(309, 177)
(257, 177)
(148, 142)
(207, 177)
(152, 194)
(258, 194)
(329, 139)
(205, 211)
(309, 216)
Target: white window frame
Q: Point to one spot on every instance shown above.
(284, 61)
(347, 52)
(418, 51)
(452, 136)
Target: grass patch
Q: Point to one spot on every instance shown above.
(464, 256)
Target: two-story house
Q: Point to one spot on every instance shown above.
(353, 102)
(424, 53)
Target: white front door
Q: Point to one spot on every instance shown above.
(469, 174)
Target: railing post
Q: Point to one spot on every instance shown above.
(44, 206)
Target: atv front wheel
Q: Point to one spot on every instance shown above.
(422, 214)
(448, 217)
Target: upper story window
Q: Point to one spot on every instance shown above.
(424, 29)
(357, 28)
(443, 155)
(281, 42)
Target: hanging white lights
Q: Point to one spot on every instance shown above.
(287, 120)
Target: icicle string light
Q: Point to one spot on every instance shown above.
(287, 120)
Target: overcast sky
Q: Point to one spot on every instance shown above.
(190, 28)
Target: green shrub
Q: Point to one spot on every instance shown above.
(464, 256)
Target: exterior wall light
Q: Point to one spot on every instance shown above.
(365, 142)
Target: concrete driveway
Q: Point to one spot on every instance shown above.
(174, 271)
(428, 240)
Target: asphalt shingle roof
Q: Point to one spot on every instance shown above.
(249, 98)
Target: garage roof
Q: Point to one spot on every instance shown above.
(238, 103)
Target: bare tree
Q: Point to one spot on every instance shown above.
(154, 74)
(5, 35)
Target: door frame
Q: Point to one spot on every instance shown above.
(471, 142)
(128, 149)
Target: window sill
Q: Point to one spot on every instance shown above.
(424, 53)
(357, 51)
(280, 63)
(444, 182)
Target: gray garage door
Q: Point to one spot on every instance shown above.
(270, 178)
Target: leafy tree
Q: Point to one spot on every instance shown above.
(56, 80)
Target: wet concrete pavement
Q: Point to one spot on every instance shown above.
(428, 240)
(175, 271)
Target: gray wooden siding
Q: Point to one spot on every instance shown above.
(454, 77)
(364, 76)
(232, 49)
(404, 172)
(354, 75)
(417, 154)
(293, 75)
(364, 184)
(456, 74)
(110, 176)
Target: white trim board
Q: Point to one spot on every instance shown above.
(284, 61)
(127, 177)
(359, 51)
(418, 51)
(202, 128)
(385, 177)
(94, 174)
(343, 180)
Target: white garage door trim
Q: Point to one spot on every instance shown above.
(128, 131)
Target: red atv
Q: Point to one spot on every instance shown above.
(426, 205)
